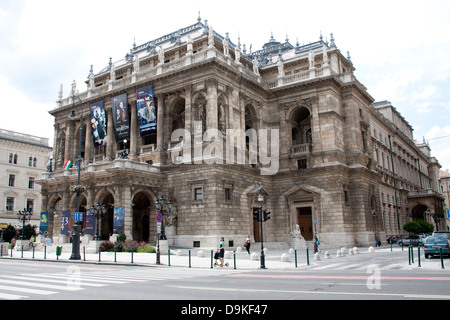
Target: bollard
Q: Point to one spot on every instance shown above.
(234, 258)
(442, 260)
(295, 253)
(84, 253)
(1, 251)
(168, 257)
(21, 254)
(412, 254)
(409, 255)
(212, 255)
(391, 246)
(307, 255)
(33, 252)
(45, 252)
(418, 255)
(132, 255)
(115, 254)
(189, 258)
(99, 253)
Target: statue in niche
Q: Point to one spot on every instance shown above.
(200, 116)
(222, 115)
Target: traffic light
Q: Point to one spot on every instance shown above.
(256, 214)
(266, 215)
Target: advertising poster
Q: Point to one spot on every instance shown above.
(146, 110)
(90, 223)
(44, 223)
(65, 222)
(98, 123)
(121, 118)
(119, 216)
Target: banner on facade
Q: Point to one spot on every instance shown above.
(119, 217)
(98, 123)
(65, 222)
(90, 223)
(44, 223)
(121, 118)
(146, 110)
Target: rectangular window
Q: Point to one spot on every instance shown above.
(228, 194)
(198, 194)
(30, 205)
(9, 204)
(12, 180)
(31, 183)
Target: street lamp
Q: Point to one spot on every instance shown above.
(163, 206)
(262, 217)
(24, 216)
(98, 211)
(76, 226)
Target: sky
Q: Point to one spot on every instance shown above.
(400, 49)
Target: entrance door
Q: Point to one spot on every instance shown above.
(305, 222)
(256, 227)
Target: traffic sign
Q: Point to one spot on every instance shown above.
(448, 213)
(159, 217)
(78, 216)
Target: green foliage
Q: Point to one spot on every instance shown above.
(147, 249)
(121, 237)
(9, 233)
(30, 231)
(127, 246)
(418, 226)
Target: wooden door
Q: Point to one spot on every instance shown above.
(305, 223)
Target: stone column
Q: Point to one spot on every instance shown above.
(134, 136)
(211, 105)
(88, 143)
(160, 123)
(110, 133)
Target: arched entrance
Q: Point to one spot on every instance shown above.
(141, 217)
(107, 223)
(418, 212)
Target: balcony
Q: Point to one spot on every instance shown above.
(301, 150)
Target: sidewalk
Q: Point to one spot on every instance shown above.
(240, 260)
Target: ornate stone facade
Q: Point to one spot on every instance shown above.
(295, 120)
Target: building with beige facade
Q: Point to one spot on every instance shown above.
(23, 159)
(221, 122)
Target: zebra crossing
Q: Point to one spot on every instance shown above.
(39, 285)
(355, 266)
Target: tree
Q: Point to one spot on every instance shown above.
(418, 226)
(9, 233)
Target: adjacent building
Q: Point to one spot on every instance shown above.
(195, 117)
(23, 159)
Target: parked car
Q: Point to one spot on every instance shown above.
(441, 233)
(410, 241)
(432, 246)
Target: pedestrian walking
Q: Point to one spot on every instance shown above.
(377, 241)
(247, 244)
(221, 251)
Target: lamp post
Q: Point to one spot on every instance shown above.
(24, 216)
(98, 211)
(260, 201)
(76, 226)
(163, 206)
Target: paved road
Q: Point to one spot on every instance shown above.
(379, 275)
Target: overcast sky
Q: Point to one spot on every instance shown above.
(400, 48)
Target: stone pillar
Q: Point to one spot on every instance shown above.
(88, 143)
(211, 105)
(188, 109)
(128, 219)
(110, 133)
(160, 123)
(134, 136)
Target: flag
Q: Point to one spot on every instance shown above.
(68, 164)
